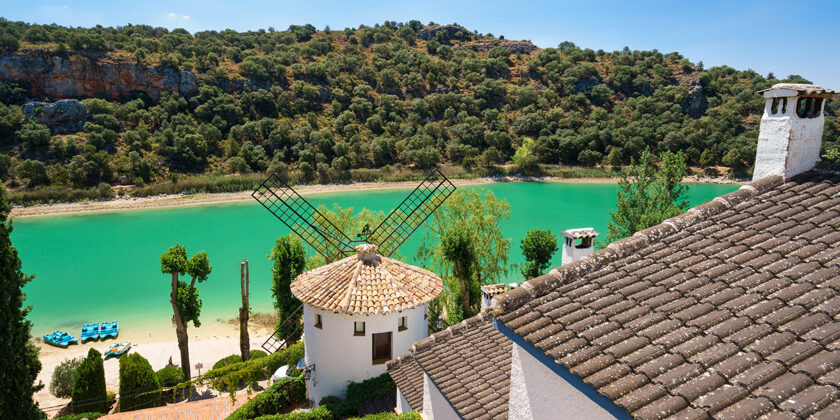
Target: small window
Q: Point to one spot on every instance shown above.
(358, 328)
(401, 324)
(381, 347)
(774, 106)
(318, 321)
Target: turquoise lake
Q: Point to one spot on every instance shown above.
(104, 266)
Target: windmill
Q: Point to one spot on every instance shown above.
(328, 240)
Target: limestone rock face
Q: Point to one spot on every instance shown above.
(429, 32)
(62, 117)
(85, 74)
(696, 102)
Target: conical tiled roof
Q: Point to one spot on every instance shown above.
(367, 283)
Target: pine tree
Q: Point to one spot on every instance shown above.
(19, 364)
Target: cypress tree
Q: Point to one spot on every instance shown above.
(19, 364)
(89, 393)
(139, 386)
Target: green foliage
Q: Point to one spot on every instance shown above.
(322, 105)
(289, 260)
(63, 377)
(80, 416)
(831, 154)
(20, 357)
(229, 378)
(89, 394)
(35, 136)
(139, 386)
(538, 246)
(170, 376)
(256, 354)
(457, 244)
(228, 360)
(648, 194)
(478, 215)
(280, 396)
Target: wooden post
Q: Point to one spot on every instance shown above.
(244, 340)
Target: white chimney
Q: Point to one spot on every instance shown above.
(578, 244)
(791, 129)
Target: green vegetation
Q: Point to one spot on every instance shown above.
(186, 304)
(139, 386)
(538, 246)
(89, 394)
(334, 106)
(169, 376)
(20, 364)
(465, 245)
(648, 194)
(81, 416)
(63, 377)
(235, 358)
(289, 261)
(281, 395)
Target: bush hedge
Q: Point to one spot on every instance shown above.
(232, 377)
(281, 395)
(63, 377)
(170, 376)
(256, 354)
(89, 394)
(80, 416)
(139, 386)
(227, 361)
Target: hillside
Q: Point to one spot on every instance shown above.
(321, 105)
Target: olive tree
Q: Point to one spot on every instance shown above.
(186, 305)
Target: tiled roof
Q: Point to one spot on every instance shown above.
(366, 284)
(494, 289)
(408, 376)
(730, 311)
(469, 362)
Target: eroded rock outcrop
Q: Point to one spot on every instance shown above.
(484, 45)
(85, 74)
(62, 117)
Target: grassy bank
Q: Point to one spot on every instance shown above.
(213, 183)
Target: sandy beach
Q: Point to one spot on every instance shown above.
(208, 344)
(177, 200)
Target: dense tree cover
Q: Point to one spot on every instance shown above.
(649, 192)
(328, 101)
(19, 364)
(186, 305)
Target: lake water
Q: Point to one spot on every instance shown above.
(105, 266)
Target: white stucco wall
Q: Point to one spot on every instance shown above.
(435, 406)
(402, 403)
(572, 254)
(787, 145)
(340, 357)
(536, 392)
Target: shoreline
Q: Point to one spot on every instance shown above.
(185, 200)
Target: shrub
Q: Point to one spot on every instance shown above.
(280, 396)
(329, 399)
(139, 386)
(231, 377)
(63, 377)
(80, 416)
(227, 361)
(170, 376)
(89, 385)
(256, 354)
(320, 413)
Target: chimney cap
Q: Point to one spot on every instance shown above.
(580, 233)
(797, 89)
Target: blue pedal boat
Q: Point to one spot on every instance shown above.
(109, 329)
(89, 332)
(60, 339)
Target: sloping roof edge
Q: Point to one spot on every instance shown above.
(538, 286)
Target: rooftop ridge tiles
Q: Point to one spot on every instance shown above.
(538, 286)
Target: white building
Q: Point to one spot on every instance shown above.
(578, 243)
(358, 313)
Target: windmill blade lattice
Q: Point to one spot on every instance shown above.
(303, 219)
(411, 213)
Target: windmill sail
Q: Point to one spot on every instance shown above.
(411, 213)
(303, 219)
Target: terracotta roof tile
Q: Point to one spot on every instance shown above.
(734, 314)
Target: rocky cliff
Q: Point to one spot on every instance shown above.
(82, 75)
(64, 116)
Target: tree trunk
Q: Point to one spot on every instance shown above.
(180, 328)
(244, 340)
